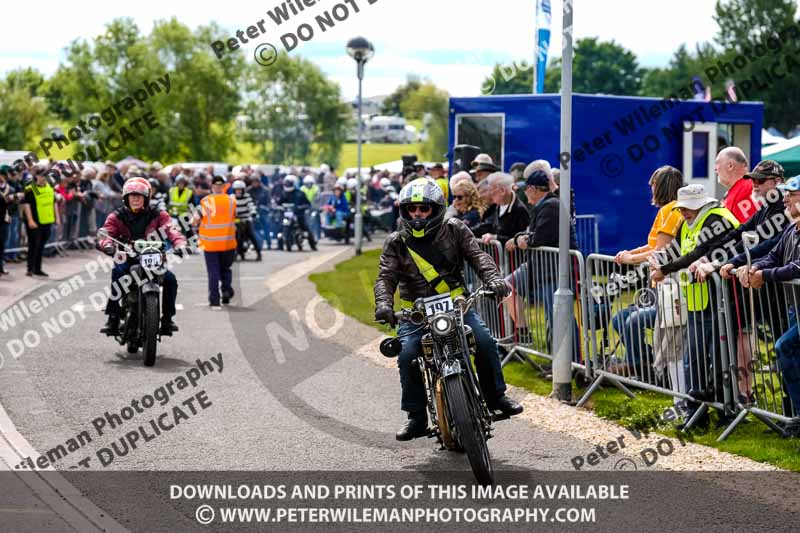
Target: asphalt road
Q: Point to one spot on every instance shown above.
(291, 396)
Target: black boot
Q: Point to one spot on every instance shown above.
(167, 327)
(417, 426)
(111, 327)
(506, 405)
(226, 296)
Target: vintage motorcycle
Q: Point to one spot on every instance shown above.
(140, 306)
(460, 418)
(290, 233)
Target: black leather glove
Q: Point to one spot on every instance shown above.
(385, 314)
(499, 287)
(109, 250)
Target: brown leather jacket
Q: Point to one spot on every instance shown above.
(454, 240)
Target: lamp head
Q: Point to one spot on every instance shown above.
(360, 49)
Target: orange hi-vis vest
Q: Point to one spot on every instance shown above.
(217, 227)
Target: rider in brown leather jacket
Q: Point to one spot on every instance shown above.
(445, 246)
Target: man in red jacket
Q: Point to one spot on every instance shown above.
(136, 219)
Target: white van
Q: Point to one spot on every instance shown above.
(383, 129)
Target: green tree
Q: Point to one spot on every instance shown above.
(295, 112)
(391, 105)
(682, 68)
(22, 114)
(429, 101)
(742, 25)
(195, 118)
(597, 67)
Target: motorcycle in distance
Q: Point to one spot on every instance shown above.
(460, 418)
(140, 309)
(290, 233)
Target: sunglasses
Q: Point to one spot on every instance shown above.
(458, 196)
(423, 209)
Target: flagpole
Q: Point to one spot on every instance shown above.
(536, 45)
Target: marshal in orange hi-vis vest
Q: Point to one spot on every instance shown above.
(217, 227)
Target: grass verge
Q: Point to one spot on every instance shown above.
(349, 288)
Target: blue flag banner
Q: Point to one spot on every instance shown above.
(543, 19)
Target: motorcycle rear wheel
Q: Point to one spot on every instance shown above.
(287, 242)
(150, 329)
(468, 428)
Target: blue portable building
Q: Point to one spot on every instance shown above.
(617, 143)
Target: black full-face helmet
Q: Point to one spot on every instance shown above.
(421, 191)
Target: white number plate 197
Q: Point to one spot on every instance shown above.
(441, 303)
(150, 260)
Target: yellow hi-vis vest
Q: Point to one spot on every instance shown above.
(443, 184)
(217, 228)
(430, 274)
(179, 201)
(45, 203)
(697, 293)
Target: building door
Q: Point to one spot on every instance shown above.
(699, 155)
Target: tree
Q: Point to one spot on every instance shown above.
(295, 112)
(391, 105)
(429, 100)
(195, 118)
(746, 23)
(682, 68)
(597, 67)
(22, 114)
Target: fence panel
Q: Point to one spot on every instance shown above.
(671, 338)
(588, 234)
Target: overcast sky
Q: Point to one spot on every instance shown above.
(452, 42)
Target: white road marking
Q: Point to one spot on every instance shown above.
(289, 274)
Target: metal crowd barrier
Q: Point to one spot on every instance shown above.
(757, 319)
(588, 233)
(492, 314)
(533, 274)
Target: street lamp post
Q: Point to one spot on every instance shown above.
(362, 51)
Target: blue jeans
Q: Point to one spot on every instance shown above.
(13, 236)
(487, 363)
(787, 349)
(630, 324)
(168, 295)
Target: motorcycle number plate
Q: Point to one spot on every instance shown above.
(150, 260)
(441, 303)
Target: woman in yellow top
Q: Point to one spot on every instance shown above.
(632, 322)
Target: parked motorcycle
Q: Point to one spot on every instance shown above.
(460, 418)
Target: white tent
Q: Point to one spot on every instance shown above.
(768, 139)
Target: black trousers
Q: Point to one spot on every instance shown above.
(37, 238)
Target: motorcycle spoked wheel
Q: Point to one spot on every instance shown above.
(287, 240)
(298, 238)
(150, 328)
(468, 428)
(441, 417)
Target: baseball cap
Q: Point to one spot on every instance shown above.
(766, 169)
(538, 178)
(217, 179)
(437, 166)
(791, 185)
(693, 197)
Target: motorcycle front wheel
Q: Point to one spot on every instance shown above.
(150, 328)
(468, 427)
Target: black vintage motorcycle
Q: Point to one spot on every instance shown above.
(140, 306)
(460, 418)
(290, 233)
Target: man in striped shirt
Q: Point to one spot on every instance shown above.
(245, 211)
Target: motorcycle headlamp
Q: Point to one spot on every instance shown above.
(442, 324)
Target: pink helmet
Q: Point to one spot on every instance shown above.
(136, 186)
